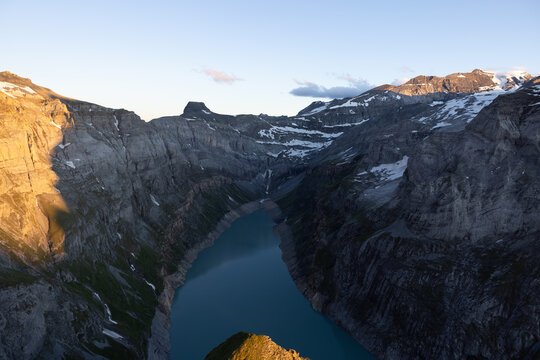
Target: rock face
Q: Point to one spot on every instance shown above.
(411, 215)
(31, 119)
(244, 346)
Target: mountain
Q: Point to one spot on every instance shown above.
(473, 82)
(243, 346)
(407, 216)
(406, 231)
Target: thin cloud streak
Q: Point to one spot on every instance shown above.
(221, 77)
(406, 69)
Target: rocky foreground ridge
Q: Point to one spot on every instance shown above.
(244, 346)
(410, 212)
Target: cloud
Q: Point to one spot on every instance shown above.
(220, 77)
(406, 69)
(310, 89)
(400, 81)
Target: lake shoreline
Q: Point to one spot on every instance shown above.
(159, 342)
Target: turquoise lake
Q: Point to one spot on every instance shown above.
(242, 284)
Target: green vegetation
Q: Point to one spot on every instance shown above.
(209, 207)
(11, 277)
(132, 307)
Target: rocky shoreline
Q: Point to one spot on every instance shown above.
(159, 342)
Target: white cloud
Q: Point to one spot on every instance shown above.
(355, 87)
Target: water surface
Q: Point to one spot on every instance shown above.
(241, 284)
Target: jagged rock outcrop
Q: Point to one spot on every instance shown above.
(244, 346)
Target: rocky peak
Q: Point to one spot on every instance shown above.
(9, 76)
(195, 107)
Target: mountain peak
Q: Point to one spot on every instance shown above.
(195, 107)
(475, 81)
(16, 86)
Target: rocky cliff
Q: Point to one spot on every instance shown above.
(396, 231)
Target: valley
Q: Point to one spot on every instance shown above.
(407, 215)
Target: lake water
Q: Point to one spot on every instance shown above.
(241, 284)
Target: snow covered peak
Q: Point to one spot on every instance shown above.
(476, 81)
(505, 80)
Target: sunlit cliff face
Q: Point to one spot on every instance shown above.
(33, 214)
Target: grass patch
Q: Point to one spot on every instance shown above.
(12, 277)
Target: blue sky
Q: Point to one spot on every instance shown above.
(247, 56)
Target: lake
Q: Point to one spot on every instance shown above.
(242, 284)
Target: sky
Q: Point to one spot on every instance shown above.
(272, 57)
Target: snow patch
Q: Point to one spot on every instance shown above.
(349, 103)
(389, 172)
(440, 125)
(107, 310)
(154, 200)
(13, 90)
(70, 164)
(465, 107)
(270, 133)
(346, 124)
(316, 110)
(150, 284)
(296, 142)
(112, 334)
